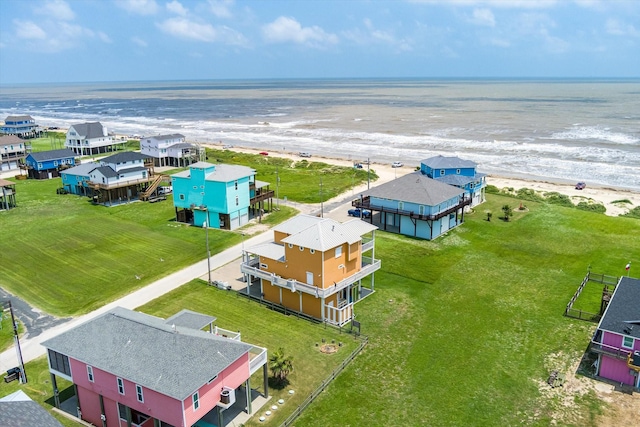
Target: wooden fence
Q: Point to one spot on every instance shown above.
(607, 281)
(324, 384)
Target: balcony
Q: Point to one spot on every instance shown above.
(366, 204)
(368, 267)
(119, 184)
(618, 353)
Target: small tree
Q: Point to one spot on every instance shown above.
(489, 215)
(281, 365)
(508, 211)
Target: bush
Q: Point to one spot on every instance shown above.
(529, 194)
(633, 213)
(492, 189)
(556, 198)
(591, 207)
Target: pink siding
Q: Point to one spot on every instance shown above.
(155, 405)
(616, 370)
(209, 394)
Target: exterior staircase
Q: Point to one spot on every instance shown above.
(153, 186)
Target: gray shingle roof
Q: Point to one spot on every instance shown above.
(43, 156)
(10, 139)
(90, 130)
(124, 156)
(165, 137)
(415, 188)
(18, 410)
(181, 145)
(442, 162)
(17, 118)
(107, 171)
(623, 313)
(457, 180)
(147, 351)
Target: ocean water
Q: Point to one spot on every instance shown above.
(558, 130)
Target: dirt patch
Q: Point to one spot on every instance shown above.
(566, 407)
(329, 348)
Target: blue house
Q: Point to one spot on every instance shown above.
(76, 180)
(222, 196)
(457, 172)
(47, 164)
(415, 205)
(21, 126)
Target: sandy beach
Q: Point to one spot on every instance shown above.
(604, 195)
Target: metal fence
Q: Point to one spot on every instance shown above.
(607, 281)
(289, 421)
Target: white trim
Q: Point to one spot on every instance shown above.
(120, 383)
(90, 373)
(195, 400)
(632, 342)
(139, 393)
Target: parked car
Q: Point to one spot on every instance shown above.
(581, 185)
(264, 153)
(165, 190)
(397, 165)
(304, 154)
(357, 166)
(356, 212)
(227, 147)
(220, 284)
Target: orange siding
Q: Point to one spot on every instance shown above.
(351, 264)
(312, 306)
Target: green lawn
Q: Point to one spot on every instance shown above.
(66, 256)
(299, 180)
(462, 329)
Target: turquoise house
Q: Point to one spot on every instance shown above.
(415, 205)
(459, 173)
(222, 196)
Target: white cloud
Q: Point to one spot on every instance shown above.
(29, 30)
(139, 41)
(371, 35)
(188, 29)
(177, 8)
(104, 37)
(618, 28)
(483, 17)
(139, 7)
(285, 29)
(221, 8)
(56, 9)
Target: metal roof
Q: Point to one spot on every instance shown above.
(190, 319)
(622, 315)
(442, 162)
(227, 173)
(82, 169)
(325, 235)
(174, 361)
(269, 250)
(43, 156)
(415, 188)
(165, 137)
(297, 224)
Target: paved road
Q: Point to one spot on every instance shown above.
(42, 327)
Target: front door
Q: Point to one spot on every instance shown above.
(309, 278)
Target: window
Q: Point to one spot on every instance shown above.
(236, 200)
(181, 197)
(39, 165)
(301, 248)
(59, 362)
(139, 393)
(338, 251)
(120, 385)
(341, 266)
(264, 266)
(236, 184)
(313, 251)
(290, 245)
(458, 171)
(400, 205)
(196, 401)
(55, 163)
(441, 172)
(90, 373)
(627, 342)
(195, 187)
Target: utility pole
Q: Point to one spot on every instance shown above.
(278, 187)
(206, 227)
(368, 173)
(16, 339)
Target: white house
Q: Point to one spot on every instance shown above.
(120, 168)
(87, 139)
(170, 150)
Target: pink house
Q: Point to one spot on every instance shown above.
(133, 369)
(617, 339)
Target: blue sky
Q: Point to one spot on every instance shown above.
(115, 40)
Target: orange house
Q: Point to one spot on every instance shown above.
(314, 266)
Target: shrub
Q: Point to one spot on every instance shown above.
(633, 213)
(556, 198)
(591, 207)
(529, 194)
(492, 189)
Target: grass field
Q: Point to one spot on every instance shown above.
(463, 330)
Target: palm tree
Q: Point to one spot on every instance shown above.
(508, 211)
(281, 365)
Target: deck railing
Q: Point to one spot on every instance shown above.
(258, 360)
(609, 350)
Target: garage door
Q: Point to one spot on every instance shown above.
(235, 223)
(244, 218)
